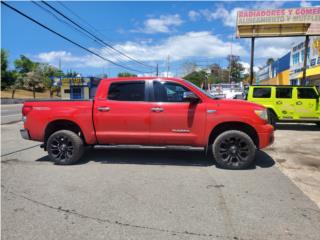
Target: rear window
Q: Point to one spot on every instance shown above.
(262, 92)
(307, 93)
(284, 93)
(127, 91)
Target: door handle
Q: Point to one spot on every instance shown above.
(103, 109)
(299, 103)
(278, 102)
(157, 109)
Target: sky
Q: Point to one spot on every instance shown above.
(151, 33)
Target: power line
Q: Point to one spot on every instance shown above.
(88, 24)
(75, 28)
(67, 39)
(99, 39)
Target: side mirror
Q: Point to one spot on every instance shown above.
(190, 97)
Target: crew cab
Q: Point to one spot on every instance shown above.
(288, 103)
(149, 111)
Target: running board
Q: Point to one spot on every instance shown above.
(174, 147)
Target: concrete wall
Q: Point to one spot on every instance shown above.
(65, 95)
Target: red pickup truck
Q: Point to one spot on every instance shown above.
(149, 111)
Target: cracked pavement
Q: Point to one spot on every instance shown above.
(147, 194)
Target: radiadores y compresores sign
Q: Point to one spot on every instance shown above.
(279, 22)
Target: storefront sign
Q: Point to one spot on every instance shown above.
(279, 22)
(71, 81)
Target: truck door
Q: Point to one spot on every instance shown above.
(123, 116)
(174, 121)
(306, 103)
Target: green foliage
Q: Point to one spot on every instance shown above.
(236, 69)
(5, 76)
(28, 74)
(126, 74)
(71, 73)
(270, 61)
(4, 61)
(25, 65)
(196, 78)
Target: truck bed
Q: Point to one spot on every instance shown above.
(45, 112)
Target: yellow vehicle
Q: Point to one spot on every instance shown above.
(288, 103)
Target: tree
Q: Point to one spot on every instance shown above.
(126, 74)
(48, 72)
(270, 61)
(6, 78)
(71, 73)
(4, 62)
(17, 82)
(236, 68)
(25, 65)
(34, 81)
(196, 78)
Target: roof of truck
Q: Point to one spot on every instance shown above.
(140, 78)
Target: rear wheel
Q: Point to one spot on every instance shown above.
(233, 150)
(65, 147)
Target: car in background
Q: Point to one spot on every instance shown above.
(227, 90)
(287, 103)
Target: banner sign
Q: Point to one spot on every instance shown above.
(276, 16)
(279, 22)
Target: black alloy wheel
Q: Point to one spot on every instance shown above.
(234, 150)
(65, 147)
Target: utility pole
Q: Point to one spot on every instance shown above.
(230, 60)
(157, 70)
(60, 67)
(306, 44)
(252, 60)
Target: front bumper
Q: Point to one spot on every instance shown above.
(266, 137)
(25, 134)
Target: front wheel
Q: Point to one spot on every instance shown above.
(65, 147)
(233, 150)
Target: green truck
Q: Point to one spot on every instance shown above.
(287, 103)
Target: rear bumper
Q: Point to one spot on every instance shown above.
(266, 136)
(25, 134)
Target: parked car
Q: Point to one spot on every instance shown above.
(149, 111)
(288, 103)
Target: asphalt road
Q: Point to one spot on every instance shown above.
(147, 194)
(10, 113)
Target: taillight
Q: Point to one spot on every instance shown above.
(26, 110)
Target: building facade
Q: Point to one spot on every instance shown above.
(276, 73)
(313, 63)
(76, 87)
(288, 70)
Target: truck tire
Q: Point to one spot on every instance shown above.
(65, 147)
(233, 149)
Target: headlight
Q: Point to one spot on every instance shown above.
(263, 114)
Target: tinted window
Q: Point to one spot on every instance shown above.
(168, 92)
(126, 91)
(284, 93)
(308, 93)
(262, 92)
